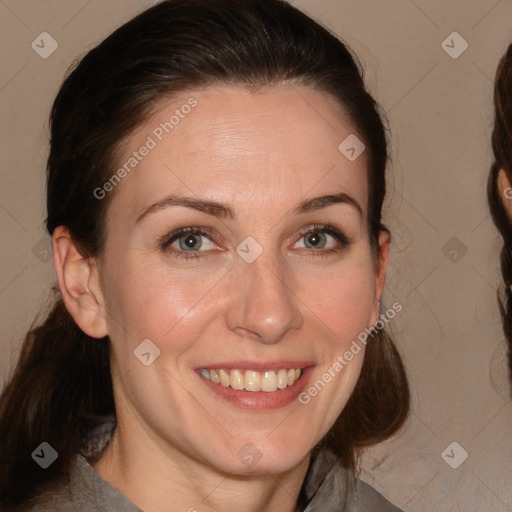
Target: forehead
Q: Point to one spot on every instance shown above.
(272, 147)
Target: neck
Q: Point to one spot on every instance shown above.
(134, 462)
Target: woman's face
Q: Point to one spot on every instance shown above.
(238, 241)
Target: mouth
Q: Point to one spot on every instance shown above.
(257, 385)
(252, 380)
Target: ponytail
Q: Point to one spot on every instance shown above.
(61, 383)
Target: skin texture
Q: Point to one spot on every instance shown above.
(262, 154)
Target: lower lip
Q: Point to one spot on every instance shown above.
(260, 400)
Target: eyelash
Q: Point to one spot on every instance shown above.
(165, 241)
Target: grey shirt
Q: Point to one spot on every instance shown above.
(328, 486)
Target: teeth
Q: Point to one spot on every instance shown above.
(237, 379)
(282, 379)
(269, 381)
(224, 378)
(253, 381)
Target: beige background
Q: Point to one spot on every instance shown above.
(440, 116)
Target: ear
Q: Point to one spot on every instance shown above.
(79, 284)
(380, 273)
(505, 190)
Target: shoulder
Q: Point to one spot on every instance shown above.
(370, 500)
(85, 491)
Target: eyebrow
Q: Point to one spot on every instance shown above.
(317, 203)
(222, 210)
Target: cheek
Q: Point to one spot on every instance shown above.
(152, 301)
(343, 298)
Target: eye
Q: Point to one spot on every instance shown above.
(316, 240)
(192, 242)
(322, 239)
(184, 242)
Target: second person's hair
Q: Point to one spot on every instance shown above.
(502, 150)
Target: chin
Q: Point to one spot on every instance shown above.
(263, 458)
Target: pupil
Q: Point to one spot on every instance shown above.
(191, 242)
(315, 239)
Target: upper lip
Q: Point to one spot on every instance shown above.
(257, 366)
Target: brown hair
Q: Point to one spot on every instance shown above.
(502, 149)
(62, 380)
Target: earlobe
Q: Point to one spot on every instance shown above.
(79, 284)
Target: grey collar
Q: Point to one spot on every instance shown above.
(328, 486)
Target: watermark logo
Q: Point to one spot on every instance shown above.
(249, 454)
(152, 140)
(454, 455)
(42, 250)
(454, 45)
(352, 147)
(44, 45)
(454, 249)
(249, 250)
(45, 455)
(146, 352)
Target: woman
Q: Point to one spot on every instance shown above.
(215, 186)
(499, 187)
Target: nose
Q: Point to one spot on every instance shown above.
(264, 307)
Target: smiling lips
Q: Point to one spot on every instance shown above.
(251, 380)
